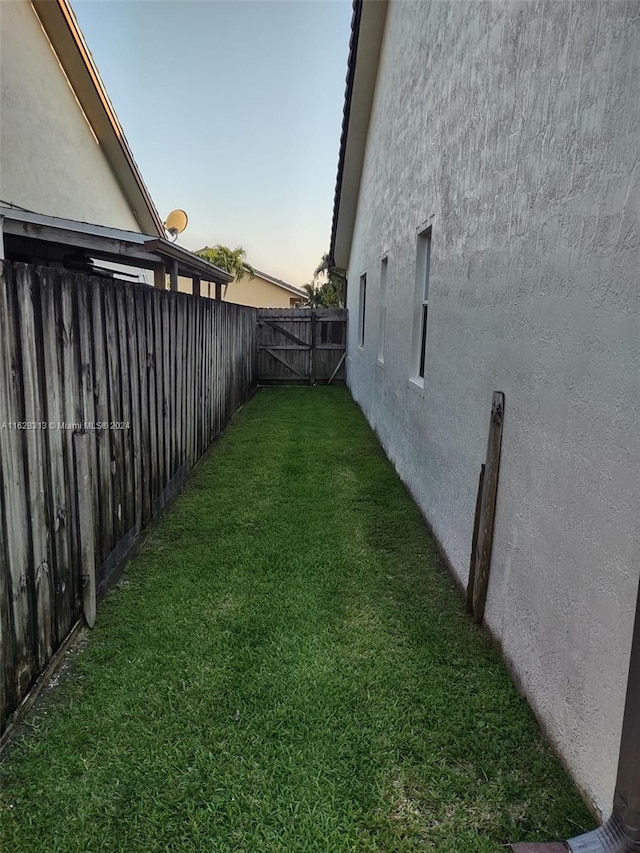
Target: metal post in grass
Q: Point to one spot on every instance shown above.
(621, 833)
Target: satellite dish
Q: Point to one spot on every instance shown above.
(176, 222)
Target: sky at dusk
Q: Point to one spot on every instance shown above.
(233, 110)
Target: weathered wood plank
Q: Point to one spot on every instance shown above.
(167, 348)
(146, 311)
(101, 403)
(8, 693)
(14, 501)
(192, 307)
(87, 390)
(215, 365)
(474, 544)
(210, 421)
(487, 511)
(337, 368)
(198, 376)
(35, 459)
(123, 426)
(159, 359)
(85, 525)
(287, 364)
(118, 483)
(137, 366)
(174, 418)
(183, 318)
(59, 492)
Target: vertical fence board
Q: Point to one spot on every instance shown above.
(207, 347)
(59, 510)
(179, 416)
(144, 391)
(192, 306)
(171, 389)
(204, 307)
(146, 311)
(119, 526)
(124, 433)
(82, 289)
(102, 478)
(159, 356)
(8, 693)
(87, 566)
(14, 500)
(167, 345)
(35, 462)
(197, 308)
(136, 409)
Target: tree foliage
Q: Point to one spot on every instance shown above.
(314, 297)
(327, 289)
(233, 261)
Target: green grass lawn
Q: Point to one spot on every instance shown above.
(286, 667)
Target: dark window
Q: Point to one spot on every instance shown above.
(363, 309)
(383, 306)
(424, 262)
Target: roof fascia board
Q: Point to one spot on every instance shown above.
(61, 27)
(21, 215)
(364, 56)
(96, 245)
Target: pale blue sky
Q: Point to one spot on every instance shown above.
(233, 111)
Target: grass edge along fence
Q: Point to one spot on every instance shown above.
(109, 393)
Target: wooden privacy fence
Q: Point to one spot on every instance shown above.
(109, 393)
(301, 346)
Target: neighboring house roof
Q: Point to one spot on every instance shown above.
(62, 30)
(283, 284)
(367, 30)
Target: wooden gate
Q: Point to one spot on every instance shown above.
(301, 346)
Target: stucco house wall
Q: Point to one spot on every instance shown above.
(50, 161)
(512, 128)
(257, 292)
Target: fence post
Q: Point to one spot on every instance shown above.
(160, 277)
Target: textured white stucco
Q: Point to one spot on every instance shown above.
(50, 161)
(513, 128)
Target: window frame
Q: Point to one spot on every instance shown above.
(384, 272)
(421, 301)
(362, 310)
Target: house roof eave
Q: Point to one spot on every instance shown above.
(112, 244)
(194, 264)
(367, 31)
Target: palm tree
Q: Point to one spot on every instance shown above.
(231, 260)
(334, 287)
(314, 296)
